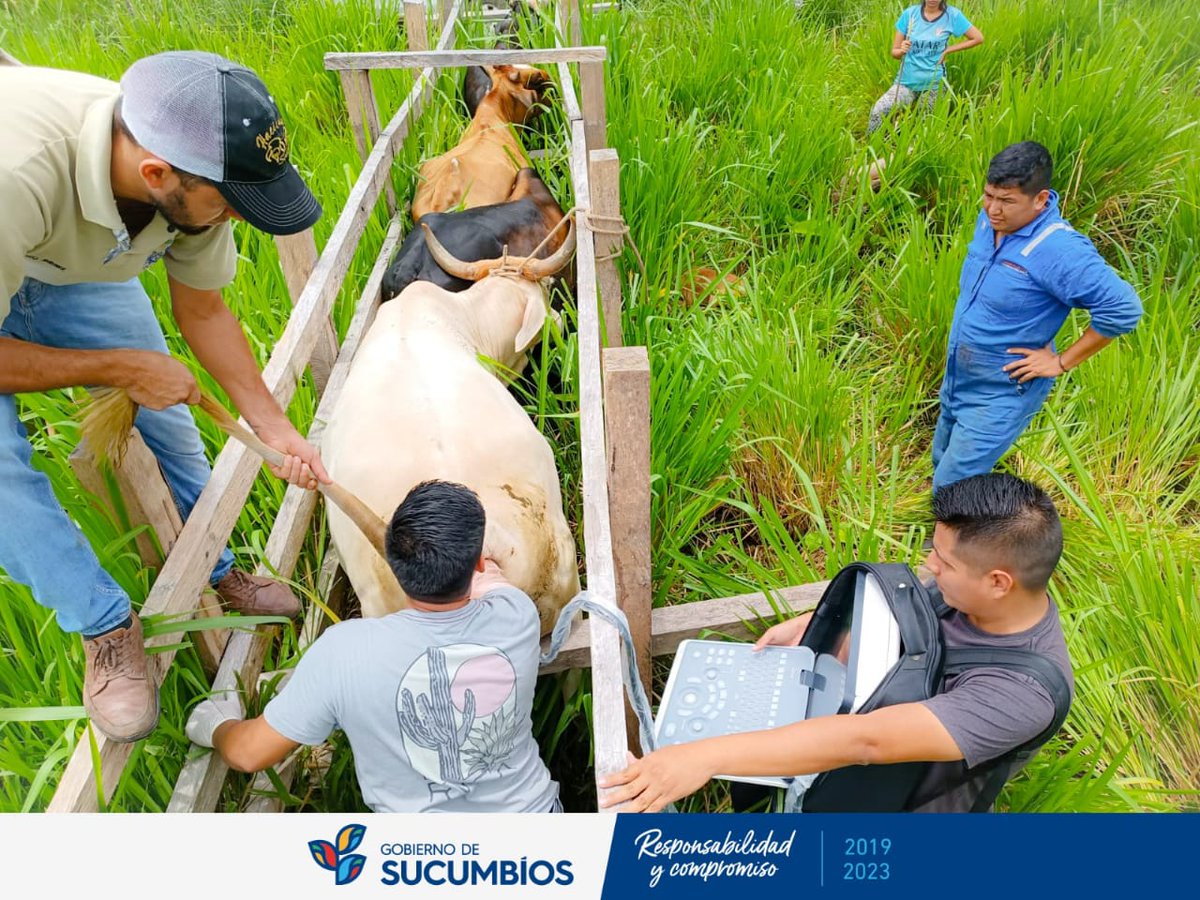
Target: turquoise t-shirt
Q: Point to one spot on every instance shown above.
(920, 70)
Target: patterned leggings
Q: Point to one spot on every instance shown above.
(898, 95)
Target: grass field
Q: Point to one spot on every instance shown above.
(791, 423)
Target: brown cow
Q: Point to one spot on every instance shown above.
(481, 169)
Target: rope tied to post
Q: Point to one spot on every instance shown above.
(595, 223)
(620, 229)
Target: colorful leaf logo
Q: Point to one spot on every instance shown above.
(350, 837)
(350, 868)
(324, 854)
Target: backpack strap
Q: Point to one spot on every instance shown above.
(941, 608)
(1045, 673)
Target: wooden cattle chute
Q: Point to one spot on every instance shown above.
(613, 412)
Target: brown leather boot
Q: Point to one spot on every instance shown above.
(120, 697)
(253, 595)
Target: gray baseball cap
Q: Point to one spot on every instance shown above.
(214, 118)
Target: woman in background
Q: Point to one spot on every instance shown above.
(921, 43)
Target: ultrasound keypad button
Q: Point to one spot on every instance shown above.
(669, 731)
(690, 697)
(697, 725)
(711, 673)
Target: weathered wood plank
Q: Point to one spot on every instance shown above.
(415, 30)
(332, 586)
(670, 625)
(298, 258)
(595, 116)
(364, 118)
(576, 20)
(440, 59)
(608, 707)
(626, 376)
(606, 212)
(143, 493)
(566, 82)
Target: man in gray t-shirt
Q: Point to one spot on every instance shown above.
(989, 711)
(996, 542)
(435, 699)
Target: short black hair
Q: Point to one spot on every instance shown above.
(434, 541)
(1026, 165)
(1001, 521)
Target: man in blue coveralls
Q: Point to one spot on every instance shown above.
(1026, 269)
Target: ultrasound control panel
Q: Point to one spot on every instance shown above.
(720, 688)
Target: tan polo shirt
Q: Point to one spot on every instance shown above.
(58, 219)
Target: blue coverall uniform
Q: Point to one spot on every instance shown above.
(1016, 295)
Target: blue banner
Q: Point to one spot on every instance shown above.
(982, 856)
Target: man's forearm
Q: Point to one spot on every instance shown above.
(1089, 344)
(815, 745)
(26, 367)
(903, 733)
(221, 347)
(250, 745)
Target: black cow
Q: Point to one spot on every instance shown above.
(521, 223)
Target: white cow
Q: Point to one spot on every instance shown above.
(418, 404)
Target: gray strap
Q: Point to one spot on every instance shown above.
(629, 667)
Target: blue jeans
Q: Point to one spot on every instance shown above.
(39, 544)
(983, 412)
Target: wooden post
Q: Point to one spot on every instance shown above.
(332, 587)
(414, 25)
(626, 372)
(605, 176)
(418, 39)
(443, 13)
(670, 625)
(576, 20)
(297, 258)
(364, 119)
(142, 497)
(595, 118)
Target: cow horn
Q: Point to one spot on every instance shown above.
(543, 268)
(469, 271)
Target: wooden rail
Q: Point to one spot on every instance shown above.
(442, 59)
(727, 616)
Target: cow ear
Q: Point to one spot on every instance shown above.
(531, 324)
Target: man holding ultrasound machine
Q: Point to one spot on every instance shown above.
(1000, 687)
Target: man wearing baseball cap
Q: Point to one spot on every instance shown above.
(99, 181)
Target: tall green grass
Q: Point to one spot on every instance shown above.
(790, 423)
